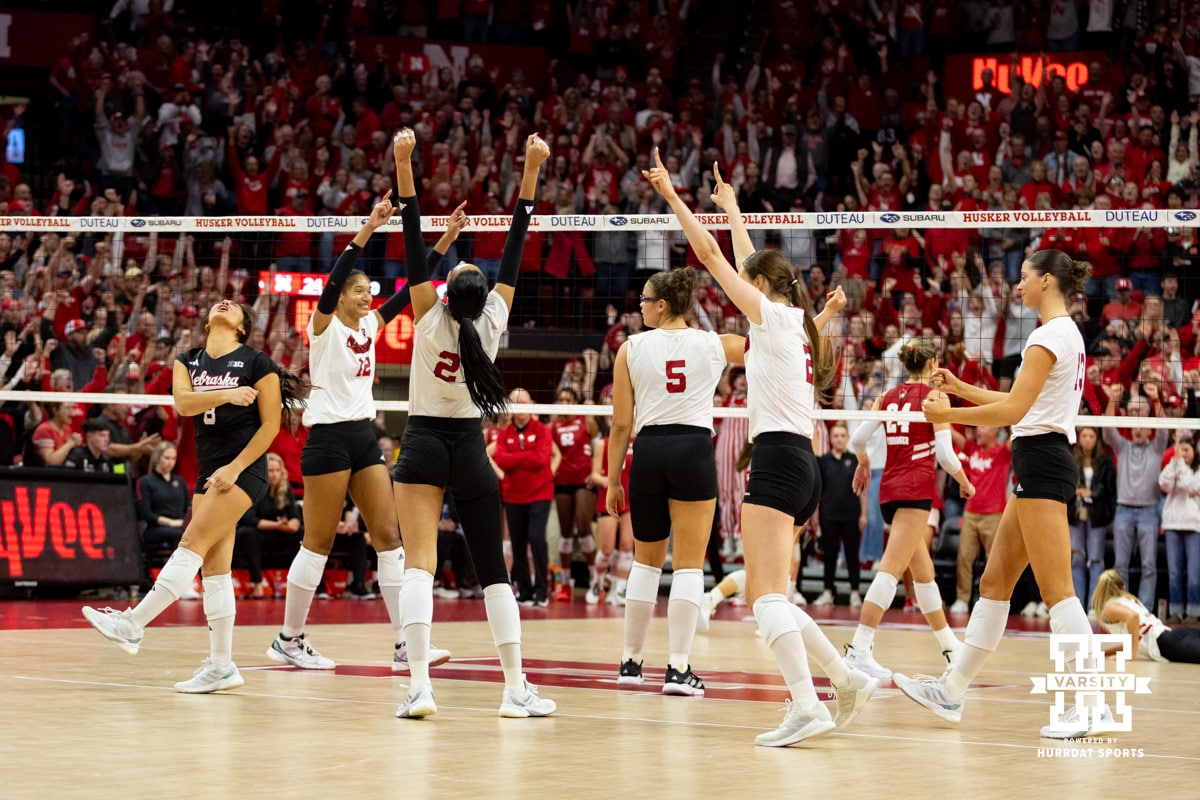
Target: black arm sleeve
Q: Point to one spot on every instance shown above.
(395, 304)
(514, 243)
(432, 260)
(414, 244)
(327, 304)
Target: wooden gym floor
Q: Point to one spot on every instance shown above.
(83, 719)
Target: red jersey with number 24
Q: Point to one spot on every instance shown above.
(911, 464)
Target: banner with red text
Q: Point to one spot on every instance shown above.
(963, 75)
(65, 526)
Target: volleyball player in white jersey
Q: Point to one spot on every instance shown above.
(786, 358)
(453, 382)
(669, 373)
(1041, 408)
(342, 453)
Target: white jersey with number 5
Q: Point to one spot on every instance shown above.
(1057, 403)
(674, 374)
(435, 384)
(342, 364)
(779, 372)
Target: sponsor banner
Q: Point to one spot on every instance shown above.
(232, 226)
(38, 38)
(66, 526)
(963, 74)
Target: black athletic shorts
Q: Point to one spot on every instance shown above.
(252, 480)
(670, 462)
(339, 446)
(1044, 467)
(1005, 367)
(784, 475)
(449, 453)
(889, 509)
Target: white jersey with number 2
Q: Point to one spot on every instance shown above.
(435, 385)
(779, 372)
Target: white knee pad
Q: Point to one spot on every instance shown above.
(307, 569)
(587, 545)
(624, 561)
(504, 618)
(643, 583)
(391, 567)
(986, 626)
(601, 563)
(928, 597)
(882, 591)
(775, 617)
(686, 585)
(177, 574)
(738, 577)
(566, 546)
(219, 601)
(417, 597)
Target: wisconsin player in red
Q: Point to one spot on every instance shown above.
(574, 493)
(905, 498)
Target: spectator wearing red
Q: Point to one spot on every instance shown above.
(53, 439)
(249, 182)
(324, 112)
(1124, 307)
(524, 453)
(987, 462)
(293, 249)
(288, 445)
(366, 122)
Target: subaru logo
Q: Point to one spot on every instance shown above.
(889, 217)
(618, 221)
(1185, 216)
(138, 223)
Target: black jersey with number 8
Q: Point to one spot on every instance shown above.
(224, 431)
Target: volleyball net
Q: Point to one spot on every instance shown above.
(140, 288)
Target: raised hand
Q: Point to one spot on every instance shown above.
(381, 213)
(403, 144)
(723, 196)
(458, 221)
(660, 180)
(536, 150)
(835, 301)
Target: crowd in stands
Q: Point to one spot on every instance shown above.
(841, 105)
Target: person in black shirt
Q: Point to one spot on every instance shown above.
(842, 513)
(237, 395)
(163, 499)
(92, 456)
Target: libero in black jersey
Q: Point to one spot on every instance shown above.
(236, 396)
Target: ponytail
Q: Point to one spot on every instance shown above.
(466, 296)
(823, 367)
(292, 389)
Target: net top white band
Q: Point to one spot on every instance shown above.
(547, 223)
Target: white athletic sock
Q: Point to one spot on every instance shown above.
(504, 618)
(220, 608)
(1067, 616)
(820, 649)
(174, 578)
(683, 609)
(946, 638)
(985, 629)
(779, 628)
(418, 620)
(641, 595)
(391, 583)
(304, 576)
(864, 638)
